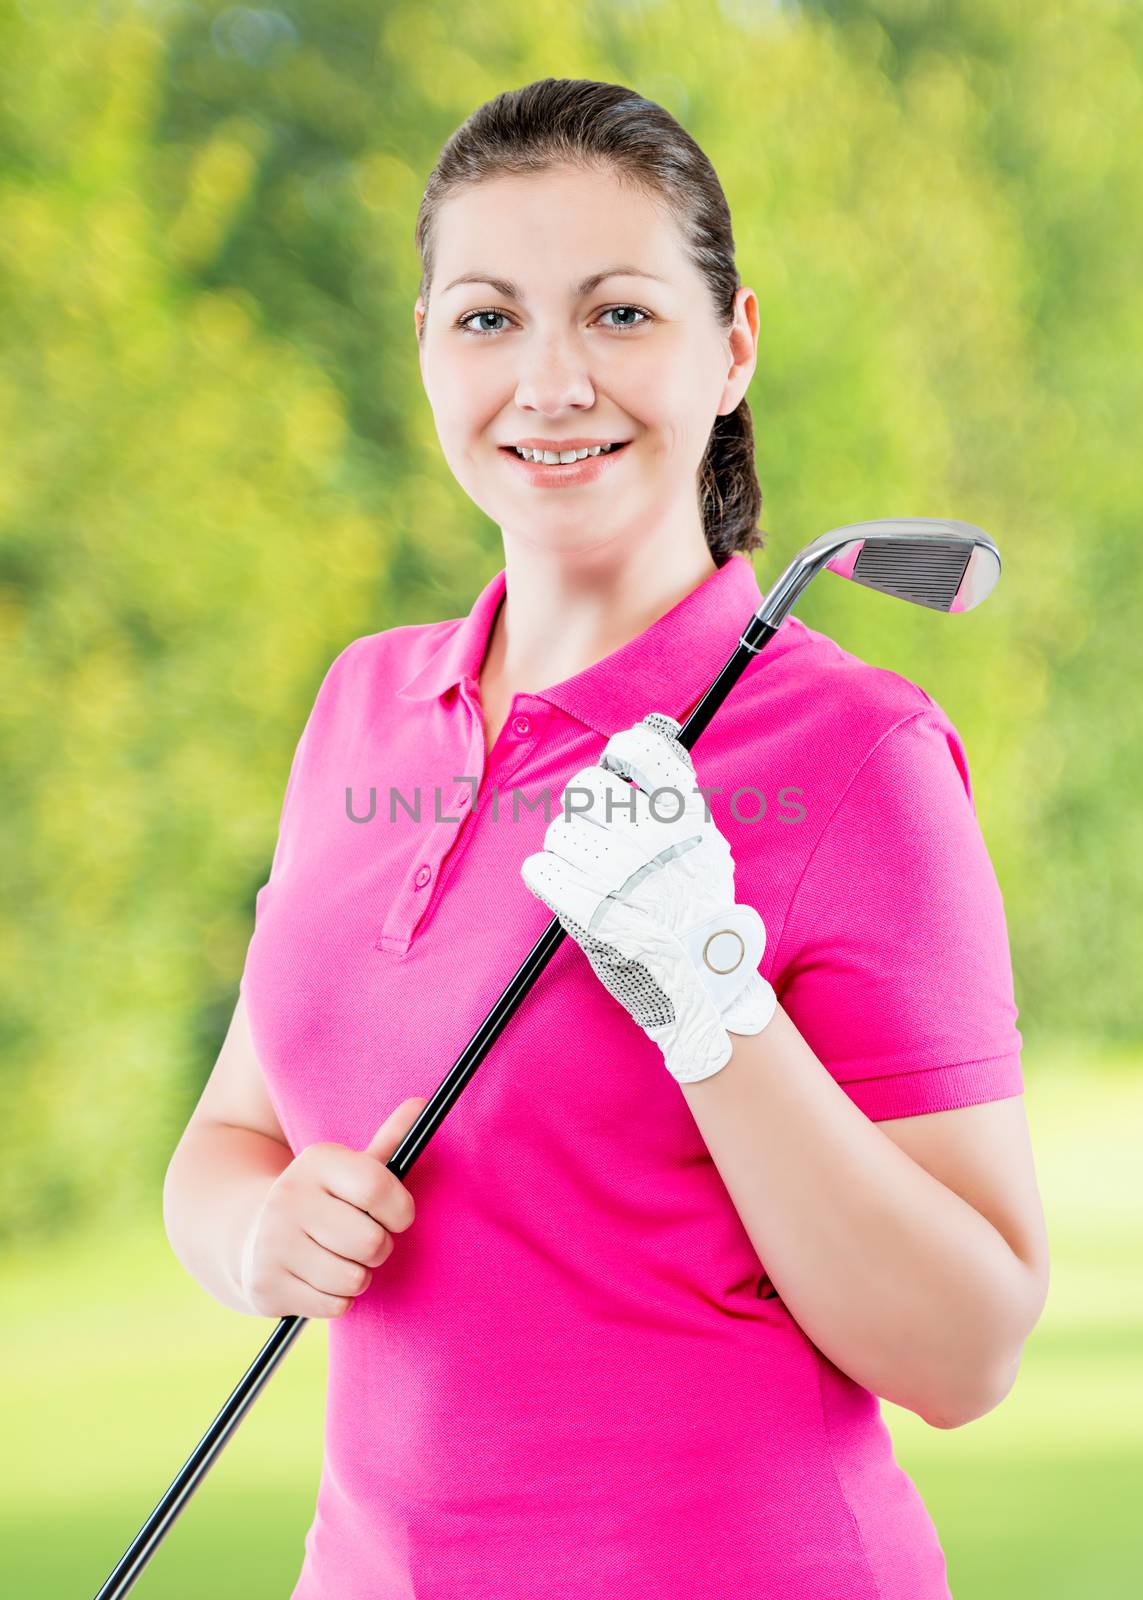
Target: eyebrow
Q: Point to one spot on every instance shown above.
(585, 286)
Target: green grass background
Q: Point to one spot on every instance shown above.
(124, 1362)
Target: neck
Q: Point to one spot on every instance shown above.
(565, 610)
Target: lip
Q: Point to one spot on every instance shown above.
(564, 444)
(563, 475)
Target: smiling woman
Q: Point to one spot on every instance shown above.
(566, 1380)
(553, 200)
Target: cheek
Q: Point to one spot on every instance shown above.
(464, 401)
(677, 420)
(665, 386)
(688, 399)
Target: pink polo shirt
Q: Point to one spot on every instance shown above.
(567, 1382)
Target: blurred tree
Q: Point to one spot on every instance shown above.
(219, 466)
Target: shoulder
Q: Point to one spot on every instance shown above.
(374, 665)
(823, 697)
(394, 649)
(885, 757)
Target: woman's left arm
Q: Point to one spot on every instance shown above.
(913, 1252)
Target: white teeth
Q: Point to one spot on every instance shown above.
(552, 458)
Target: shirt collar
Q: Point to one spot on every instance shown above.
(665, 668)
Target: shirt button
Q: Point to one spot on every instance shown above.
(423, 876)
(522, 726)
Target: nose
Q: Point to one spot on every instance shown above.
(552, 376)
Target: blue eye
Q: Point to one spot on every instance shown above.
(618, 327)
(645, 315)
(478, 331)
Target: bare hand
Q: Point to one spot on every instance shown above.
(327, 1221)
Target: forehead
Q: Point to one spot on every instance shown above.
(567, 218)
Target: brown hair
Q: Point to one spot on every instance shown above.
(564, 121)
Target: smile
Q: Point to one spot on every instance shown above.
(556, 474)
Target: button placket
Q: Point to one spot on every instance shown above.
(450, 816)
(424, 873)
(402, 925)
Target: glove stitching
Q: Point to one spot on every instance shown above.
(656, 864)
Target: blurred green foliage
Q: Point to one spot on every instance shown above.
(219, 465)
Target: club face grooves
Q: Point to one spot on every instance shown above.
(934, 562)
(926, 572)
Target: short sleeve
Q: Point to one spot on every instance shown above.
(893, 962)
(281, 841)
(314, 732)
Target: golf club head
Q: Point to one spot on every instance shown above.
(929, 561)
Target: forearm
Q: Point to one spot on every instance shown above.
(896, 1278)
(216, 1183)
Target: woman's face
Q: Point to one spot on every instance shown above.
(538, 356)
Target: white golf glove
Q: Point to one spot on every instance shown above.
(644, 883)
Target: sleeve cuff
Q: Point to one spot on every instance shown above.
(912, 1094)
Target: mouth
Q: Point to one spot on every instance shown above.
(571, 475)
(593, 455)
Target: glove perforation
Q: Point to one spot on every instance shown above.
(669, 728)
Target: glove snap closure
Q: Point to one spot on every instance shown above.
(723, 951)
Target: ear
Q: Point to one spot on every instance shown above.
(418, 317)
(742, 343)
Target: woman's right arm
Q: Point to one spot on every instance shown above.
(217, 1183)
(268, 1233)
(232, 1151)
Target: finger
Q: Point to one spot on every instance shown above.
(327, 1271)
(347, 1230)
(607, 915)
(310, 1302)
(362, 1181)
(649, 821)
(561, 887)
(604, 855)
(649, 758)
(666, 797)
(612, 864)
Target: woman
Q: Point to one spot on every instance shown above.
(635, 1341)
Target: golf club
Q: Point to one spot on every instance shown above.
(947, 566)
